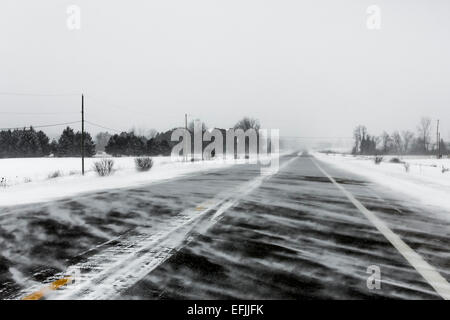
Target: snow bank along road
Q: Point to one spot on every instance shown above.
(308, 231)
(424, 180)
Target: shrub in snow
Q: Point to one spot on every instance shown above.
(444, 169)
(3, 183)
(143, 163)
(395, 160)
(104, 167)
(378, 160)
(54, 174)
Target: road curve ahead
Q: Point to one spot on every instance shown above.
(309, 231)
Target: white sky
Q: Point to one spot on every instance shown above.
(309, 68)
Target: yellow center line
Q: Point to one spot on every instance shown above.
(51, 287)
(55, 285)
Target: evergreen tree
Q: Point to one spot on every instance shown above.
(69, 144)
(43, 143)
(23, 143)
(66, 143)
(28, 143)
(126, 143)
(89, 145)
(443, 147)
(152, 147)
(54, 147)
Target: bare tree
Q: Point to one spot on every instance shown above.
(192, 124)
(398, 142)
(424, 130)
(101, 140)
(408, 137)
(151, 133)
(359, 134)
(144, 132)
(247, 123)
(385, 142)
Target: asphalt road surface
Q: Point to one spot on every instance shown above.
(308, 231)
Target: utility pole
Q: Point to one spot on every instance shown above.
(440, 155)
(82, 134)
(185, 138)
(438, 143)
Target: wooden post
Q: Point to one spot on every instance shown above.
(82, 134)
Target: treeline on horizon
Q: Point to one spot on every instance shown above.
(399, 143)
(27, 142)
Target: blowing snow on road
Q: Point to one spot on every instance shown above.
(226, 234)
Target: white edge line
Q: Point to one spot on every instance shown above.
(427, 271)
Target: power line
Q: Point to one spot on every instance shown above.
(297, 137)
(127, 109)
(24, 94)
(42, 126)
(103, 127)
(82, 134)
(115, 106)
(37, 113)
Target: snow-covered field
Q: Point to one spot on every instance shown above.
(425, 180)
(31, 180)
(23, 170)
(28, 180)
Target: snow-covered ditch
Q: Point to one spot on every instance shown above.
(425, 179)
(29, 180)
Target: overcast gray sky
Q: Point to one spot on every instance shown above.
(309, 68)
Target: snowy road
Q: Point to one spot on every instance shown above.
(228, 233)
